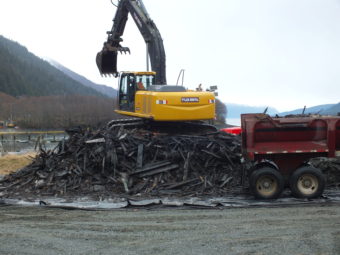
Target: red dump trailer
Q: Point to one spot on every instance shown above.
(232, 130)
(280, 149)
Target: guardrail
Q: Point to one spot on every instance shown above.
(29, 140)
(32, 132)
(29, 134)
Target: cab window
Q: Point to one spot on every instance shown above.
(145, 80)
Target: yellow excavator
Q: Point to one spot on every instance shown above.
(145, 94)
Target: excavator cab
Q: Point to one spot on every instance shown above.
(129, 84)
(140, 96)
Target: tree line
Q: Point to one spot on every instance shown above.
(65, 111)
(56, 111)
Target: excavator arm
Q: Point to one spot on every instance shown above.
(107, 57)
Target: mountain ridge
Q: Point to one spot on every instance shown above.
(24, 74)
(235, 110)
(104, 89)
(324, 109)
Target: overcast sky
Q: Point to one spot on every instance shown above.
(281, 53)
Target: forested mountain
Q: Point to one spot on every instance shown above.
(35, 94)
(106, 90)
(22, 73)
(333, 110)
(325, 109)
(235, 110)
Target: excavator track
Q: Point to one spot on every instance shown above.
(165, 128)
(181, 128)
(126, 123)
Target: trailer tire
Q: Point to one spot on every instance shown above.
(307, 182)
(266, 183)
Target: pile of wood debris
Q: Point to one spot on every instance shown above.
(117, 161)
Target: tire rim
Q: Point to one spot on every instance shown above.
(307, 184)
(266, 186)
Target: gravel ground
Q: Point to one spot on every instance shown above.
(276, 230)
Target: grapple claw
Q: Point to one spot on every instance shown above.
(107, 59)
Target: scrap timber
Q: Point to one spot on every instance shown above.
(119, 160)
(330, 168)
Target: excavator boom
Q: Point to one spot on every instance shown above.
(107, 58)
(145, 94)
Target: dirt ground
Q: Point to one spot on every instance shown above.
(10, 163)
(290, 230)
(311, 229)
